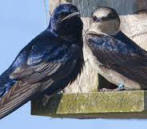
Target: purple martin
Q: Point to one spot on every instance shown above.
(47, 64)
(116, 57)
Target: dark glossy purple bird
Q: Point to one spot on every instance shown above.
(116, 57)
(47, 64)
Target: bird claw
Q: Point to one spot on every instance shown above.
(45, 99)
(105, 90)
(110, 90)
(119, 88)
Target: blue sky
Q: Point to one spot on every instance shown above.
(20, 21)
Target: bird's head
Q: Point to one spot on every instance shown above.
(105, 20)
(66, 20)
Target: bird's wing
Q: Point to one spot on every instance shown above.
(33, 78)
(47, 61)
(119, 56)
(40, 71)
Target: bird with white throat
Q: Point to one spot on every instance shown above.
(116, 57)
(105, 20)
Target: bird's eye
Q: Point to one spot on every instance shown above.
(94, 18)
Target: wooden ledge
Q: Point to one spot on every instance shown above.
(124, 104)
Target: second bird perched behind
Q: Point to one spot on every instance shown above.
(115, 56)
(47, 64)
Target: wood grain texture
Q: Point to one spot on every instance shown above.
(122, 6)
(142, 4)
(87, 6)
(127, 104)
(135, 27)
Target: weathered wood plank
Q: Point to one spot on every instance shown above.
(94, 105)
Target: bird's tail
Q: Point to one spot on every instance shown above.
(18, 94)
(5, 83)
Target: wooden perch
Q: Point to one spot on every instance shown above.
(126, 104)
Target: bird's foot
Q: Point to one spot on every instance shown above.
(46, 99)
(105, 90)
(119, 88)
(110, 90)
(60, 92)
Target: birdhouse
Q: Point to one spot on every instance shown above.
(82, 98)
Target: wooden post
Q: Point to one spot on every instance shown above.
(123, 7)
(81, 99)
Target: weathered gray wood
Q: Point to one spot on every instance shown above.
(127, 104)
(87, 6)
(135, 26)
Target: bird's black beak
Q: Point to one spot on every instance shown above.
(70, 16)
